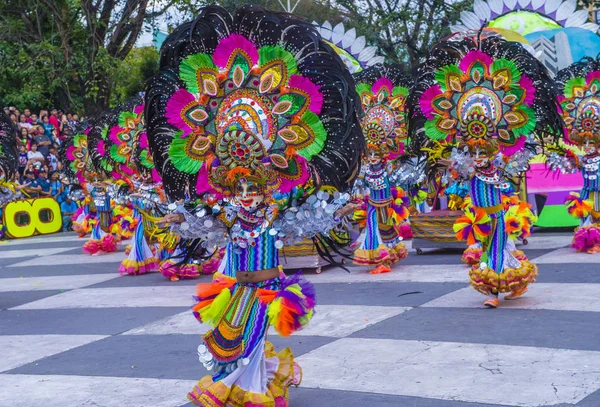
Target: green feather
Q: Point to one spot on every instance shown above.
(572, 83)
(124, 116)
(297, 102)
(442, 74)
(363, 88)
(269, 53)
(78, 139)
(179, 157)
(433, 132)
(144, 160)
(529, 126)
(506, 64)
(190, 65)
(114, 153)
(399, 91)
(317, 145)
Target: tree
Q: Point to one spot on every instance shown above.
(68, 50)
(139, 66)
(403, 30)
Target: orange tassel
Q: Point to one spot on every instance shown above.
(266, 296)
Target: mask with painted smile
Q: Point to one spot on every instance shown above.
(481, 158)
(249, 194)
(589, 147)
(374, 158)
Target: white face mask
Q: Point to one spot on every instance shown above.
(249, 195)
(589, 147)
(374, 158)
(481, 158)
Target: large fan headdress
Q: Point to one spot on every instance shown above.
(485, 91)
(8, 148)
(579, 96)
(383, 91)
(258, 95)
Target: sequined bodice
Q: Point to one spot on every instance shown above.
(377, 179)
(590, 169)
(254, 242)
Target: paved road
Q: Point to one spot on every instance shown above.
(73, 333)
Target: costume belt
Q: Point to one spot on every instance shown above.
(255, 277)
(382, 203)
(490, 210)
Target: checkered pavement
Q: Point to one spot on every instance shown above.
(75, 333)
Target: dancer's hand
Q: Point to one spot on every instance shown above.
(445, 162)
(171, 218)
(347, 209)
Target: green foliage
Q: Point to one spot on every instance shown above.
(73, 53)
(134, 71)
(79, 54)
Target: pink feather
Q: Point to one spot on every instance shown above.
(592, 75)
(144, 140)
(425, 102)
(229, 44)
(473, 56)
(527, 84)
(138, 109)
(70, 155)
(114, 132)
(313, 91)
(202, 184)
(382, 83)
(174, 107)
(518, 146)
(101, 148)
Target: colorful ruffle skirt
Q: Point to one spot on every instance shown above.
(246, 369)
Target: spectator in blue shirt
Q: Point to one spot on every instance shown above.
(30, 184)
(44, 183)
(56, 187)
(68, 208)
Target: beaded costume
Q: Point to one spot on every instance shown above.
(579, 86)
(245, 105)
(383, 92)
(489, 98)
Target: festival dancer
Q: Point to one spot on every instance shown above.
(383, 91)
(486, 100)
(8, 160)
(141, 259)
(78, 166)
(579, 88)
(242, 106)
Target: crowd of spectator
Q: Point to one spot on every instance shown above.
(40, 172)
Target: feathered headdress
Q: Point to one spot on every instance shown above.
(579, 96)
(383, 91)
(119, 144)
(74, 153)
(98, 145)
(258, 95)
(8, 148)
(484, 89)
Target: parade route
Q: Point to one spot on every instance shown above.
(75, 333)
